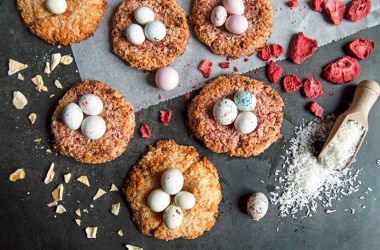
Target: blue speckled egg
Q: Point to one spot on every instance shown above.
(245, 101)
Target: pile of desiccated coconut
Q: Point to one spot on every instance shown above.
(306, 182)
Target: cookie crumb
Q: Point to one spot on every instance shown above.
(120, 233)
(47, 68)
(19, 174)
(50, 174)
(39, 82)
(77, 221)
(57, 193)
(78, 212)
(113, 188)
(67, 177)
(52, 204)
(66, 60)
(58, 84)
(38, 140)
(91, 232)
(19, 100)
(131, 247)
(99, 194)
(55, 60)
(20, 77)
(60, 209)
(32, 118)
(84, 180)
(92, 206)
(115, 208)
(15, 66)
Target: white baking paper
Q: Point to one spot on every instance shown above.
(95, 59)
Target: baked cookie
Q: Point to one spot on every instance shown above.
(259, 15)
(200, 178)
(78, 22)
(225, 139)
(151, 55)
(117, 113)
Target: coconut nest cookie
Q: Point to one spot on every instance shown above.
(200, 178)
(225, 139)
(78, 22)
(259, 15)
(117, 113)
(151, 55)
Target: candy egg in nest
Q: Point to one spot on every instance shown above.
(245, 101)
(225, 111)
(172, 181)
(257, 206)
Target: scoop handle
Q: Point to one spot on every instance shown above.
(365, 96)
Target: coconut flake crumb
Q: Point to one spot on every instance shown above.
(78, 212)
(58, 84)
(67, 177)
(50, 174)
(328, 211)
(47, 68)
(19, 100)
(55, 60)
(99, 194)
(115, 209)
(39, 83)
(52, 204)
(84, 180)
(32, 118)
(91, 232)
(113, 188)
(20, 77)
(78, 221)
(19, 174)
(66, 60)
(57, 193)
(120, 233)
(15, 66)
(131, 247)
(60, 209)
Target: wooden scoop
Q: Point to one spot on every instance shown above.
(366, 94)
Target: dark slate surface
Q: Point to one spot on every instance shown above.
(27, 223)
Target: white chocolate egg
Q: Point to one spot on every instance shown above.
(225, 111)
(135, 34)
(184, 200)
(93, 127)
(91, 104)
(158, 200)
(173, 216)
(245, 101)
(155, 31)
(236, 24)
(257, 206)
(246, 122)
(144, 15)
(172, 181)
(218, 16)
(234, 7)
(56, 6)
(72, 116)
(167, 78)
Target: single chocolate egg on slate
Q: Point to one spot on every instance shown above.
(236, 24)
(167, 78)
(246, 122)
(72, 116)
(225, 111)
(234, 7)
(218, 16)
(257, 206)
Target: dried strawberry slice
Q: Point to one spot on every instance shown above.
(312, 88)
(317, 5)
(145, 131)
(205, 68)
(316, 109)
(361, 48)
(358, 9)
(224, 65)
(301, 48)
(335, 9)
(274, 71)
(292, 83)
(276, 50)
(265, 53)
(293, 3)
(165, 117)
(345, 69)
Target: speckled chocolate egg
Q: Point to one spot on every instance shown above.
(173, 216)
(56, 6)
(135, 34)
(93, 127)
(246, 122)
(72, 116)
(245, 101)
(158, 200)
(236, 24)
(91, 104)
(155, 31)
(225, 111)
(172, 181)
(257, 206)
(167, 78)
(184, 200)
(234, 7)
(218, 16)
(144, 15)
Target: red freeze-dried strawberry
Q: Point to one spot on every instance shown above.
(335, 9)
(358, 9)
(301, 48)
(317, 5)
(276, 50)
(224, 65)
(165, 117)
(292, 83)
(293, 3)
(274, 71)
(316, 109)
(312, 88)
(205, 68)
(265, 53)
(145, 131)
(345, 69)
(361, 48)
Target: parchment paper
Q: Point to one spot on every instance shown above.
(95, 59)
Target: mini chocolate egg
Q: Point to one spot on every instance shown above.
(172, 181)
(234, 7)
(155, 31)
(167, 78)
(144, 15)
(72, 116)
(245, 122)
(93, 127)
(218, 16)
(236, 24)
(173, 216)
(56, 6)
(91, 104)
(257, 206)
(158, 200)
(225, 111)
(135, 34)
(245, 101)
(184, 200)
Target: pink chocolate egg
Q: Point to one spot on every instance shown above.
(167, 78)
(218, 16)
(234, 7)
(237, 24)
